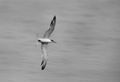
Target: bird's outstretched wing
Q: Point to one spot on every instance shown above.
(44, 56)
(50, 30)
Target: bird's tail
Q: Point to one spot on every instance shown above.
(44, 62)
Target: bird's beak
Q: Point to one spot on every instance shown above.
(53, 41)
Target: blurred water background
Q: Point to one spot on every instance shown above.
(87, 35)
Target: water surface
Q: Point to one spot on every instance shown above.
(87, 36)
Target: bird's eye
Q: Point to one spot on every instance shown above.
(39, 40)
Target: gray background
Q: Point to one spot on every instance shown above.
(87, 35)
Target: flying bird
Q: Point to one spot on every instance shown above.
(45, 41)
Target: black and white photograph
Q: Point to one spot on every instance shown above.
(59, 40)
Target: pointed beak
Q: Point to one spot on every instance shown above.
(53, 41)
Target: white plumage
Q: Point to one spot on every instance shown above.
(44, 40)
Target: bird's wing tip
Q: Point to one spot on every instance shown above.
(54, 17)
(44, 65)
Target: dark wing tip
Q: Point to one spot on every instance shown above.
(43, 67)
(54, 18)
(51, 29)
(44, 64)
(53, 21)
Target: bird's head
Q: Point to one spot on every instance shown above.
(39, 40)
(53, 41)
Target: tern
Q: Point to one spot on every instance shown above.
(45, 41)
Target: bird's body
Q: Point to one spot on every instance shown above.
(45, 41)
